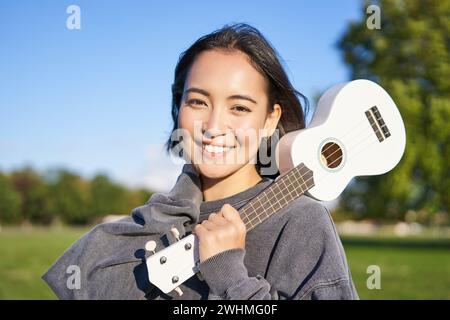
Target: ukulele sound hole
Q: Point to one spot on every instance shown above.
(331, 155)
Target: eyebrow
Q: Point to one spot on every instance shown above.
(207, 94)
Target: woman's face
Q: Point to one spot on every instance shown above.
(224, 108)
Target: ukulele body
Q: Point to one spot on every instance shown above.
(341, 142)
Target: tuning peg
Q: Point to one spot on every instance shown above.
(150, 246)
(175, 233)
(179, 291)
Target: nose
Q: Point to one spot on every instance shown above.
(215, 125)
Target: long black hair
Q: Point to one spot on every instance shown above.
(264, 58)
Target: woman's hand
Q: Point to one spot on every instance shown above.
(220, 232)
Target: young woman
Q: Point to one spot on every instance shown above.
(230, 95)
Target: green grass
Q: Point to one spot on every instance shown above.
(411, 268)
(26, 255)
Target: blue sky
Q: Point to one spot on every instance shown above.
(98, 99)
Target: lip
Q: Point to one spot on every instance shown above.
(214, 154)
(207, 142)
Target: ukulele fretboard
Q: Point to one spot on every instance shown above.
(279, 194)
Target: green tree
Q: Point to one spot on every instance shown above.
(9, 201)
(410, 57)
(107, 197)
(137, 197)
(70, 197)
(35, 205)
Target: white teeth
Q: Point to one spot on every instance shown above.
(215, 149)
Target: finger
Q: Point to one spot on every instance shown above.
(233, 216)
(230, 213)
(200, 230)
(217, 218)
(209, 225)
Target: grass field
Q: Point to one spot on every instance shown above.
(410, 268)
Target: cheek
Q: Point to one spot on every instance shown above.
(186, 119)
(248, 132)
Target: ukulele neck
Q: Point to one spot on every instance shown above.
(279, 194)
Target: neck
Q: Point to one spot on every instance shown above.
(241, 180)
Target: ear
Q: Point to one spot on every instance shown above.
(272, 120)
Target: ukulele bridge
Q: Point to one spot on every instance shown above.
(377, 123)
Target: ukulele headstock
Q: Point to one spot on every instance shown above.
(173, 265)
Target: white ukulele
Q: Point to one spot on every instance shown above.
(356, 130)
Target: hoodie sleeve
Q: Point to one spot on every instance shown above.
(227, 278)
(66, 277)
(93, 268)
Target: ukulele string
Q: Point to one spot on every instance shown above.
(321, 177)
(292, 183)
(341, 137)
(250, 218)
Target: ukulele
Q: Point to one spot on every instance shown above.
(356, 130)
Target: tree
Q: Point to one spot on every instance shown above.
(107, 197)
(410, 57)
(35, 205)
(70, 197)
(26, 195)
(9, 201)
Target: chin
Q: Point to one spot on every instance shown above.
(216, 171)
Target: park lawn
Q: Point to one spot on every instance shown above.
(25, 255)
(410, 269)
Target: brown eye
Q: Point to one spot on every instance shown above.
(241, 109)
(196, 102)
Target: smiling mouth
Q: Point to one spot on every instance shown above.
(215, 151)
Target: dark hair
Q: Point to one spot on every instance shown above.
(264, 58)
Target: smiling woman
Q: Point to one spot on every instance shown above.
(237, 70)
(224, 93)
(230, 95)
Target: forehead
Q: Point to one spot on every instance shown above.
(222, 72)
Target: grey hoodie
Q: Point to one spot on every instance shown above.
(294, 254)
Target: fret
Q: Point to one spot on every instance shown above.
(245, 214)
(262, 206)
(309, 178)
(265, 212)
(287, 195)
(303, 184)
(250, 208)
(298, 189)
(273, 198)
(257, 207)
(293, 184)
(269, 203)
(251, 225)
(277, 198)
(252, 215)
(285, 186)
(279, 194)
